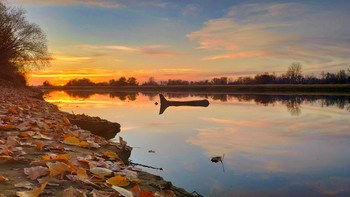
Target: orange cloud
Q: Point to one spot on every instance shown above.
(153, 52)
(242, 54)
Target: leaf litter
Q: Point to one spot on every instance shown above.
(37, 137)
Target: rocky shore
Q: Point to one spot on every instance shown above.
(46, 152)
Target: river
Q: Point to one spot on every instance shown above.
(270, 144)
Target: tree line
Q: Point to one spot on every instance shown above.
(293, 75)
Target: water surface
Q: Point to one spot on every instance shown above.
(273, 145)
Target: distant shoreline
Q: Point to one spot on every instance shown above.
(325, 88)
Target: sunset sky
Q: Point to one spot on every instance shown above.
(188, 39)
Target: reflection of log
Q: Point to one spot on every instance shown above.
(164, 104)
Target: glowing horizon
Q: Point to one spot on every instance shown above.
(188, 40)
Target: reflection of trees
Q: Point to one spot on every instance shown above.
(292, 102)
(80, 94)
(151, 95)
(124, 96)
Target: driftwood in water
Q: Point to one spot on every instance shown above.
(164, 104)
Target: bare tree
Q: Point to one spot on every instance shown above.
(22, 44)
(294, 72)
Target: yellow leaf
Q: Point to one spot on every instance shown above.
(118, 181)
(72, 141)
(111, 154)
(33, 193)
(83, 143)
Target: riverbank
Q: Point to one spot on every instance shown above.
(42, 152)
(324, 88)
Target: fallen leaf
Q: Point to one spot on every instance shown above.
(96, 193)
(118, 181)
(48, 157)
(39, 144)
(111, 154)
(122, 191)
(58, 168)
(81, 173)
(136, 191)
(165, 193)
(25, 184)
(33, 193)
(72, 192)
(65, 121)
(72, 141)
(13, 111)
(36, 172)
(83, 143)
(133, 178)
(101, 172)
(3, 179)
(41, 136)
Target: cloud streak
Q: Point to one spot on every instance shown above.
(274, 31)
(99, 3)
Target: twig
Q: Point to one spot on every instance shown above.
(146, 166)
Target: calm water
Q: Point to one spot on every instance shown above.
(272, 144)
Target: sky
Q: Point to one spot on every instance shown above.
(188, 39)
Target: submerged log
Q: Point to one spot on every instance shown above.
(164, 103)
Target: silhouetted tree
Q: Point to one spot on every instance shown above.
(151, 82)
(47, 83)
(294, 73)
(80, 82)
(265, 78)
(22, 45)
(132, 81)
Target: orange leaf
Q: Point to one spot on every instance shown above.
(7, 127)
(33, 193)
(13, 111)
(111, 154)
(3, 179)
(7, 119)
(39, 144)
(48, 157)
(136, 191)
(118, 181)
(83, 143)
(72, 141)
